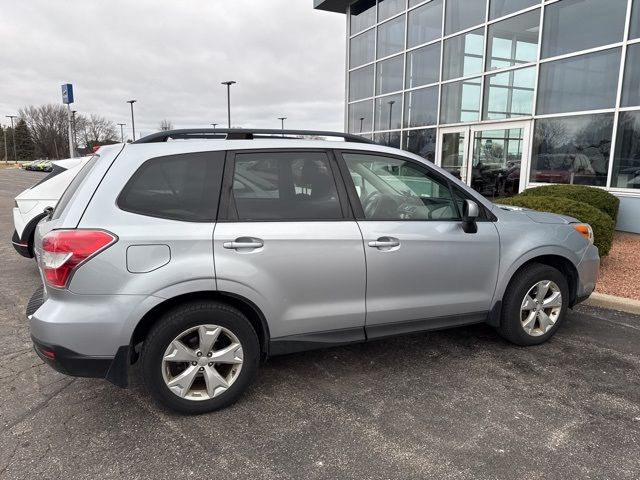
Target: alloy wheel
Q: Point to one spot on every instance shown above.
(202, 362)
(541, 308)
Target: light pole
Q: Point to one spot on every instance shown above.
(282, 119)
(73, 125)
(13, 137)
(6, 155)
(391, 102)
(228, 83)
(133, 122)
(361, 120)
(122, 125)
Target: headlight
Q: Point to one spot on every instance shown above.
(585, 230)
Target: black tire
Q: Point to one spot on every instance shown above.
(510, 322)
(181, 319)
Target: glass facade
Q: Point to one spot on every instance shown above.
(502, 93)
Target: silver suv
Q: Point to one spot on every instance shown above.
(201, 257)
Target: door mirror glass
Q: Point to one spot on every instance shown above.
(470, 214)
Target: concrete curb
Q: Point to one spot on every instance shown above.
(615, 303)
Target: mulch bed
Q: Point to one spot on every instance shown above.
(620, 270)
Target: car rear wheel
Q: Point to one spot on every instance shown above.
(200, 357)
(534, 305)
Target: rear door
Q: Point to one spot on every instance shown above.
(285, 240)
(423, 270)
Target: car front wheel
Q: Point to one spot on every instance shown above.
(200, 357)
(534, 305)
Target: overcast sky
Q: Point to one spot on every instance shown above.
(287, 58)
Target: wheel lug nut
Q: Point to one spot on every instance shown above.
(210, 354)
(211, 364)
(198, 354)
(201, 368)
(194, 363)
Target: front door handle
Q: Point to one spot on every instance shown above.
(244, 243)
(385, 242)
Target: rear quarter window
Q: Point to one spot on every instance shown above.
(183, 187)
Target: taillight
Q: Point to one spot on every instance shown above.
(65, 250)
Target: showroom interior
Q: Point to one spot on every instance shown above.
(504, 94)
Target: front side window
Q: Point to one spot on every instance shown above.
(572, 150)
(394, 189)
(285, 186)
(182, 187)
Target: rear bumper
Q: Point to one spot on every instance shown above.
(58, 333)
(68, 362)
(22, 247)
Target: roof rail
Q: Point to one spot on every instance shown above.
(243, 134)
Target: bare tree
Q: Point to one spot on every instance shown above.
(166, 125)
(48, 125)
(95, 130)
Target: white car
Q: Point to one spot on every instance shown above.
(30, 205)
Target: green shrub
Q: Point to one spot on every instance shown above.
(603, 226)
(596, 197)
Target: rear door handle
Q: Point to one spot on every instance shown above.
(243, 243)
(385, 242)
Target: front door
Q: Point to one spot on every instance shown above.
(423, 270)
(492, 159)
(496, 159)
(285, 242)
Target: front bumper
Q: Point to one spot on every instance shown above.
(21, 247)
(588, 270)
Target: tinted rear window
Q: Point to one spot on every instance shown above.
(285, 186)
(73, 186)
(182, 187)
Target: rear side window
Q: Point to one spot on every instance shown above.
(182, 187)
(285, 186)
(73, 186)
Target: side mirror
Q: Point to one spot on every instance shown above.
(470, 213)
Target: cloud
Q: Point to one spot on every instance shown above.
(287, 58)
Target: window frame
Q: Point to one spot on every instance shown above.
(227, 212)
(191, 155)
(356, 205)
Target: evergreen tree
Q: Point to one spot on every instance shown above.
(24, 143)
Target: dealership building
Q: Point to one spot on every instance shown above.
(504, 94)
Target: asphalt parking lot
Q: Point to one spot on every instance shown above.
(458, 404)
